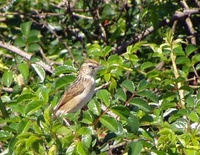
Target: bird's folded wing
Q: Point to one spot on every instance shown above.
(74, 90)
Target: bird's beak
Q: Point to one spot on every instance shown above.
(100, 67)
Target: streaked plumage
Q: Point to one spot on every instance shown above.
(80, 91)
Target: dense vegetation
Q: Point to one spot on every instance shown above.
(149, 101)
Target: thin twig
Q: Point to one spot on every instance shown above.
(55, 34)
(145, 33)
(189, 23)
(176, 74)
(105, 109)
(25, 55)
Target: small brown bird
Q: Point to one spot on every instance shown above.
(80, 91)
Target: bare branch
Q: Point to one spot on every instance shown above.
(54, 33)
(189, 23)
(25, 55)
(145, 33)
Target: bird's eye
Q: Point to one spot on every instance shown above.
(91, 66)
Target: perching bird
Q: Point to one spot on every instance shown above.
(80, 92)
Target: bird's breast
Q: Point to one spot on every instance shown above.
(83, 98)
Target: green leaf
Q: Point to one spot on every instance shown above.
(146, 65)
(104, 95)
(121, 111)
(24, 69)
(25, 97)
(193, 117)
(149, 95)
(23, 126)
(19, 42)
(133, 123)
(142, 104)
(3, 110)
(40, 71)
(129, 85)
(115, 60)
(33, 37)
(198, 66)
(63, 69)
(121, 94)
(179, 124)
(179, 114)
(33, 48)
(135, 148)
(5, 135)
(18, 108)
(107, 77)
(7, 78)
(95, 107)
(108, 10)
(178, 51)
(88, 117)
(183, 60)
(87, 141)
(25, 28)
(190, 102)
(190, 48)
(80, 149)
(84, 131)
(71, 149)
(134, 48)
(33, 106)
(43, 93)
(94, 50)
(107, 50)
(153, 74)
(131, 57)
(109, 122)
(142, 85)
(195, 58)
(30, 141)
(64, 81)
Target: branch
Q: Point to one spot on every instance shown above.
(189, 23)
(151, 29)
(45, 24)
(25, 55)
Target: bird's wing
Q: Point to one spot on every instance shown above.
(74, 90)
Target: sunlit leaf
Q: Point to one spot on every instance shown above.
(133, 123)
(64, 81)
(135, 148)
(121, 94)
(81, 149)
(142, 104)
(104, 95)
(40, 71)
(128, 84)
(189, 49)
(33, 106)
(25, 28)
(109, 122)
(63, 69)
(24, 70)
(147, 65)
(122, 112)
(95, 107)
(7, 78)
(149, 95)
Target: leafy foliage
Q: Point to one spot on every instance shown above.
(150, 103)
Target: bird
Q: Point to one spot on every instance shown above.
(80, 92)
